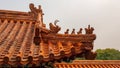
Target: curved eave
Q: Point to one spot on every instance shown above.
(74, 38)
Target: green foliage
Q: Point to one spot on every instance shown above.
(108, 54)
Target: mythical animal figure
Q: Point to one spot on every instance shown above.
(54, 28)
(73, 31)
(89, 30)
(37, 14)
(67, 31)
(34, 10)
(80, 31)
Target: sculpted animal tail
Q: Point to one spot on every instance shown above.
(55, 22)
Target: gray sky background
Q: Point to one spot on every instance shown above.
(103, 15)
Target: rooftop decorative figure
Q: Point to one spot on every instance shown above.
(54, 28)
(73, 31)
(67, 31)
(89, 30)
(80, 31)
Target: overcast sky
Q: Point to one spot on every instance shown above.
(103, 15)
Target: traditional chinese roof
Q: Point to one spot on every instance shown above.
(25, 34)
(90, 64)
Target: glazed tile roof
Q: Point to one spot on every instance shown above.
(24, 34)
(90, 64)
(15, 38)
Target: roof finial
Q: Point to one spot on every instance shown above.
(36, 13)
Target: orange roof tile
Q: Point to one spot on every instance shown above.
(24, 34)
(90, 64)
